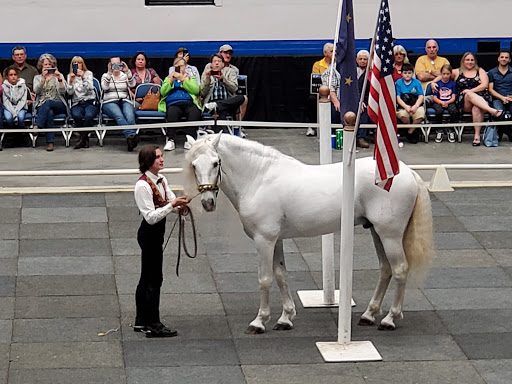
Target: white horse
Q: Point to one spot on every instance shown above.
(278, 197)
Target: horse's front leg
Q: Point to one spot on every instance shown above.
(285, 321)
(265, 250)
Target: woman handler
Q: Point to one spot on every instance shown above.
(155, 201)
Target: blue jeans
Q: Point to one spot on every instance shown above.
(84, 114)
(1, 113)
(498, 104)
(45, 115)
(9, 119)
(124, 116)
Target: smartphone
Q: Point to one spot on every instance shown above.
(51, 71)
(117, 66)
(75, 68)
(185, 52)
(215, 73)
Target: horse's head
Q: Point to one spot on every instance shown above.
(202, 170)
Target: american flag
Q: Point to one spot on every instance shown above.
(382, 102)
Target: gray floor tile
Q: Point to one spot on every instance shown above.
(54, 307)
(7, 285)
(471, 321)
(54, 376)
(9, 249)
(64, 231)
(10, 201)
(121, 199)
(486, 223)
(6, 308)
(176, 352)
(248, 282)
(502, 256)
(247, 303)
(116, 214)
(9, 267)
(64, 215)
(9, 231)
(125, 246)
(186, 283)
(29, 266)
(4, 358)
(432, 372)
(439, 208)
(64, 330)
(5, 331)
(414, 300)
(123, 228)
(462, 258)
(66, 355)
(476, 298)
(227, 244)
(447, 224)
(495, 371)
(186, 375)
(492, 240)
(64, 247)
(468, 278)
(10, 215)
(66, 200)
(455, 240)
(490, 208)
(67, 285)
(303, 374)
(247, 262)
(128, 265)
(486, 345)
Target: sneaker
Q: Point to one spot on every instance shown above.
(187, 145)
(170, 146)
(451, 137)
(158, 330)
(242, 134)
(132, 142)
(311, 132)
(439, 137)
(413, 137)
(362, 143)
(211, 106)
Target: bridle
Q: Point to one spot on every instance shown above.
(211, 187)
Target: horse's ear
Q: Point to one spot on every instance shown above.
(190, 140)
(216, 140)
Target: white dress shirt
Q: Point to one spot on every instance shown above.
(144, 198)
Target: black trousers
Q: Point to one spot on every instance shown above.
(227, 107)
(176, 111)
(147, 296)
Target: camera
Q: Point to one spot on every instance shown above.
(117, 66)
(51, 71)
(215, 73)
(75, 68)
(185, 52)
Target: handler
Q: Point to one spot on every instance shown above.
(155, 201)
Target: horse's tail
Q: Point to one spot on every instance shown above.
(418, 238)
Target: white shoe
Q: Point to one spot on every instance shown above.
(311, 132)
(170, 146)
(211, 106)
(451, 137)
(187, 145)
(439, 137)
(242, 134)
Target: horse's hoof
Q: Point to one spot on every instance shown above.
(386, 327)
(252, 330)
(282, 327)
(365, 322)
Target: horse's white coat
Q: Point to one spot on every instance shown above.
(279, 197)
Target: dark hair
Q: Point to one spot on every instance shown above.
(407, 67)
(18, 48)
(147, 157)
(216, 55)
(448, 67)
(134, 59)
(179, 50)
(505, 50)
(11, 68)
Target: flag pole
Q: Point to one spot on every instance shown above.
(336, 33)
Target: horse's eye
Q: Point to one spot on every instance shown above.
(215, 165)
(194, 166)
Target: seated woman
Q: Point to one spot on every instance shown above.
(473, 95)
(189, 69)
(139, 65)
(179, 98)
(84, 107)
(50, 90)
(401, 58)
(117, 104)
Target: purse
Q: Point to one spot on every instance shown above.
(151, 100)
(491, 136)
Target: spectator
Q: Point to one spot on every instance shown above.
(500, 87)
(472, 92)
(116, 84)
(428, 66)
(50, 90)
(226, 51)
(179, 98)
(444, 100)
(218, 88)
(1, 109)
(27, 72)
(362, 58)
(409, 99)
(319, 67)
(14, 97)
(400, 59)
(362, 66)
(142, 73)
(84, 105)
(189, 69)
(333, 82)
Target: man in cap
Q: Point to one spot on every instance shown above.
(226, 51)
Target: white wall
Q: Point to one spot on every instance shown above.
(130, 20)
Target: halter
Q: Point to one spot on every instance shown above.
(211, 187)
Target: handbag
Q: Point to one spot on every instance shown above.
(151, 100)
(491, 136)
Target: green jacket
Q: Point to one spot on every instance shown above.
(189, 85)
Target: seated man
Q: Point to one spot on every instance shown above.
(409, 99)
(500, 88)
(428, 66)
(218, 88)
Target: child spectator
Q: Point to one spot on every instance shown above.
(409, 98)
(14, 97)
(444, 99)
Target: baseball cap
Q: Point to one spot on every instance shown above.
(226, 47)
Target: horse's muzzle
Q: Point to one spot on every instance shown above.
(208, 204)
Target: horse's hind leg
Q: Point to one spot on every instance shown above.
(374, 307)
(285, 321)
(265, 251)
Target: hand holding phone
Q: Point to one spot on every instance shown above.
(75, 68)
(50, 71)
(215, 73)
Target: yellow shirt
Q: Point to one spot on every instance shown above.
(320, 66)
(425, 64)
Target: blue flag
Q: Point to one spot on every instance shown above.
(346, 61)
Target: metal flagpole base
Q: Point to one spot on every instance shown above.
(315, 299)
(333, 352)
